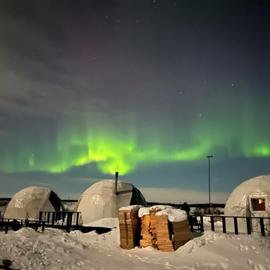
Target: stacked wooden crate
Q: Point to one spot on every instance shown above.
(157, 231)
(181, 233)
(154, 229)
(129, 226)
(146, 232)
(162, 232)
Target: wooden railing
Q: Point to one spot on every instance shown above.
(216, 223)
(60, 220)
(7, 224)
(248, 224)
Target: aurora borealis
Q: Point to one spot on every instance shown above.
(82, 142)
(146, 88)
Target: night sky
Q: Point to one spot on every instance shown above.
(146, 88)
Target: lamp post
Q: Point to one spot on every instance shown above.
(209, 182)
(115, 183)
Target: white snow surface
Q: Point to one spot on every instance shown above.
(56, 249)
(104, 222)
(130, 208)
(174, 215)
(146, 210)
(143, 211)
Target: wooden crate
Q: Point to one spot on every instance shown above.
(181, 233)
(129, 227)
(152, 230)
(146, 232)
(157, 231)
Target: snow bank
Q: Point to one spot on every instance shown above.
(104, 222)
(28, 249)
(56, 249)
(197, 243)
(207, 221)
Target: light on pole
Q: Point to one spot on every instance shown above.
(209, 182)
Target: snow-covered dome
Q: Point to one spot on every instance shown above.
(28, 202)
(250, 198)
(238, 201)
(101, 201)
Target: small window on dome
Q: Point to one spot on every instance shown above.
(258, 204)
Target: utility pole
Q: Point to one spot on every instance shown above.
(209, 182)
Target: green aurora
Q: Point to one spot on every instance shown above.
(82, 142)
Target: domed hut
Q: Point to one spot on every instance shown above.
(105, 197)
(28, 202)
(250, 199)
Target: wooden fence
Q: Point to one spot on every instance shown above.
(248, 224)
(59, 220)
(218, 223)
(7, 224)
(63, 218)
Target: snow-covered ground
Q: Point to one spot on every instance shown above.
(55, 249)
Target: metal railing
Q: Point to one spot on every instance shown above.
(231, 224)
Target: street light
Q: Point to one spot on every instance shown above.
(209, 178)
(115, 183)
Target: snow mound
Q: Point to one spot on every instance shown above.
(196, 243)
(55, 249)
(107, 240)
(104, 222)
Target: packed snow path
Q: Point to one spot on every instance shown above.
(55, 249)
